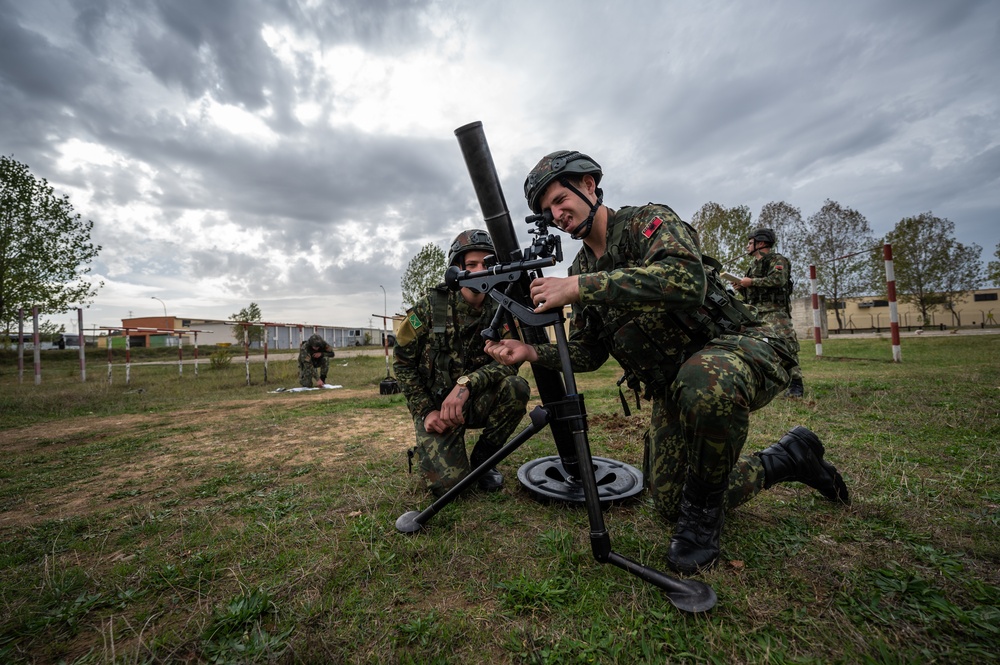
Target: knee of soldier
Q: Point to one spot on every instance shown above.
(695, 402)
(517, 389)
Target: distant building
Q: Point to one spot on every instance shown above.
(976, 309)
(169, 331)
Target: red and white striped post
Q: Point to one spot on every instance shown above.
(20, 345)
(37, 339)
(246, 349)
(109, 340)
(83, 343)
(265, 353)
(890, 281)
(817, 326)
(196, 353)
(180, 355)
(128, 359)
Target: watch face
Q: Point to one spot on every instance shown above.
(463, 381)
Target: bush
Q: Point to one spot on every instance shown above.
(221, 358)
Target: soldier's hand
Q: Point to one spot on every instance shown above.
(511, 351)
(554, 292)
(454, 403)
(745, 282)
(433, 423)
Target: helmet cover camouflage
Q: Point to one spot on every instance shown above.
(316, 343)
(553, 166)
(467, 241)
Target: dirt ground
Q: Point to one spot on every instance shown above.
(218, 433)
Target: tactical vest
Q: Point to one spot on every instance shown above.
(442, 359)
(652, 346)
(779, 296)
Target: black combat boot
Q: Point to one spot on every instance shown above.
(795, 388)
(492, 480)
(798, 457)
(695, 544)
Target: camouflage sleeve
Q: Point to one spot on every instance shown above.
(586, 352)
(776, 275)
(303, 357)
(329, 352)
(412, 341)
(670, 274)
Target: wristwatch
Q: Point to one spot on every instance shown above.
(463, 381)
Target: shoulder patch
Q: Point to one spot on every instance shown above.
(778, 266)
(414, 321)
(652, 227)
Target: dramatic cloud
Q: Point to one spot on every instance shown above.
(299, 153)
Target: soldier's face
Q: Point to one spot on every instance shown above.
(568, 209)
(474, 261)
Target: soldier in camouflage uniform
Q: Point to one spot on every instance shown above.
(768, 287)
(642, 292)
(314, 362)
(450, 384)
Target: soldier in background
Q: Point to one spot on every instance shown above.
(768, 287)
(314, 362)
(450, 384)
(642, 292)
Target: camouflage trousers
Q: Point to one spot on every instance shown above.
(782, 324)
(308, 372)
(699, 423)
(441, 458)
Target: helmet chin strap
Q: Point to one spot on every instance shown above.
(584, 229)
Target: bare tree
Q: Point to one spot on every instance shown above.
(932, 268)
(839, 241)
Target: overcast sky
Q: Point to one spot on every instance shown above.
(298, 153)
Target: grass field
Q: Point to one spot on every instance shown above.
(199, 519)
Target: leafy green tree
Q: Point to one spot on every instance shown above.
(840, 243)
(425, 270)
(932, 269)
(44, 247)
(250, 314)
(993, 271)
(723, 234)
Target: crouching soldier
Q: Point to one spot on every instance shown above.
(314, 362)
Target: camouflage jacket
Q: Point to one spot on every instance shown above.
(772, 283)
(650, 301)
(426, 373)
(305, 356)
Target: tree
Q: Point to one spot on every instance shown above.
(44, 247)
(839, 242)
(932, 269)
(425, 270)
(723, 234)
(783, 218)
(248, 314)
(993, 271)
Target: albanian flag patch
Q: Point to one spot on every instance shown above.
(651, 227)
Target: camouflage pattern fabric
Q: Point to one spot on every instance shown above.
(311, 369)
(635, 301)
(498, 396)
(770, 293)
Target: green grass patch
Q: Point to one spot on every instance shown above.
(175, 519)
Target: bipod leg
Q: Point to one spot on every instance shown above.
(414, 520)
(686, 595)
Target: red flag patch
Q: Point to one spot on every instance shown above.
(779, 267)
(651, 227)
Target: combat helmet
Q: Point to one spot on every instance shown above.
(763, 235)
(467, 241)
(553, 166)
